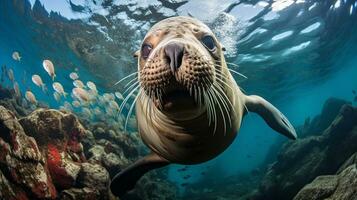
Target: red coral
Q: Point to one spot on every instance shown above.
(57, 171)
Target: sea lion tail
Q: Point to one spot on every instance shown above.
(272, 116)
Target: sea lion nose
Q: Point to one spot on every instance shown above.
(174, 54)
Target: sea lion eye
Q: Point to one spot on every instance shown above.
(145, 50)
(208, 41)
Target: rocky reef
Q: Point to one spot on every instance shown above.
(326, 159)
(49, 154)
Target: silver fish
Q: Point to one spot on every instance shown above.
(50, 69)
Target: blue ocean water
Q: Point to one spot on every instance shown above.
(296, 54)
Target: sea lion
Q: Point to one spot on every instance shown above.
(189, 108)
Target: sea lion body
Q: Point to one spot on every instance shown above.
(191, 141)
(189, 108)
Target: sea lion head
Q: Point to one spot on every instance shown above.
(178, 62)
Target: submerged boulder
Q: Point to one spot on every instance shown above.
(94, 176)
(342, 186)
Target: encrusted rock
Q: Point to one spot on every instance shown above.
(22, 160)
(321, 188)
(337, 187)
(80, 194)
(94, 176)
(59, 135)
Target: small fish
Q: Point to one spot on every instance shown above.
(50, 69)
(30, 97)
(3, 73)
(182, 169)
(80, 94)
(73, 76)
(17, 89)
(36, 79)
(355, 99)
(59, 88)
(354, 92)
(248, 156)
(109, 97)
(16, 56)
(78, 84)
(86, 112)
(24, 78)
(67, 105)
(97, 111)
(114, 105)
(187, 177)
(91, 86)
(57, 96)
(132, 122)
(109, 111)
(127, 106)
(76, 104)
(10, 75)
(119, 95)
(184, 184)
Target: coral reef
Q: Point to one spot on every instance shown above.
(49, 154)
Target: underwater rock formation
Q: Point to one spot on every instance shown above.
(24, 174)
(49, 154)
(342, 186)
(319, 123)
(301, 161)
(42, 156)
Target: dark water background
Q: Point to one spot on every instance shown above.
(296, 54)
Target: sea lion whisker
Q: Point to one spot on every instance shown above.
(224, 99)
(127, 98)
(195, 89)
(219, 100)
(131, 87)
(131, 81)
(199, 96)
(208, 101)
(211, 95)
(230, 63)
(209, 109)
(225, 95)
(132, 74)
(235, 72)
(131, 109)
(238, 73)
(224, 83)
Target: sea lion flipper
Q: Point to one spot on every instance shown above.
(126, 179)
(272, 116)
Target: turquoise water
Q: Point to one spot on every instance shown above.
(295, 54)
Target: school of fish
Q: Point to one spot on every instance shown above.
(82, 98)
